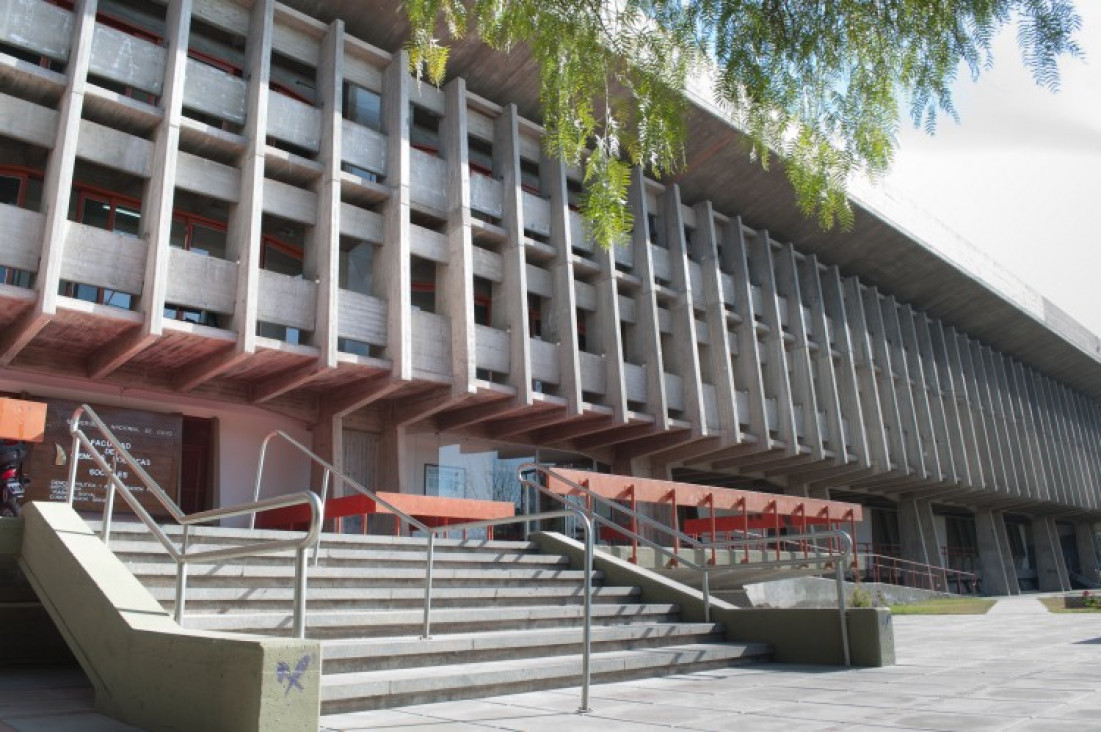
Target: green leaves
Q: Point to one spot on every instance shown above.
(818, 84)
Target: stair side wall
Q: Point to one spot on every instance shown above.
(147, 670)
(796, 635)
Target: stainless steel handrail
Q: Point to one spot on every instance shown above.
(841, 558)
(431, 533)
(586, 642)
(181, 555)
(329, 470)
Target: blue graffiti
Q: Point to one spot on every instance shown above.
(283, 673)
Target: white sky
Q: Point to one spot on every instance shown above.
(1020, 176)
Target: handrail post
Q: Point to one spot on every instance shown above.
(706, 596)
(324, 501)
(259, 475)
(587, 636)
(429, 558)
(181, 589)
(842, 604)
(74, 460)
(181, 575)
(300, 592)
(108, 510)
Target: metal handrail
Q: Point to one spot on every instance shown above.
(921, 569)
(330, 469)
(431, 532)
(844, 540)
(181, 555)
(586, 643)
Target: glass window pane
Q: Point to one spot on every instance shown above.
(355, 267)
(127, 221)
(117, 299)
(363, 107)
(277, 260)
(209, 241)
(178, 236)
(96, 213)
(32, 198)
(88, 293)
(9, 189)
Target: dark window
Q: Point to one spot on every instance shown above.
(362, 106)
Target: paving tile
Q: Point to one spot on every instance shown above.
(951, 722)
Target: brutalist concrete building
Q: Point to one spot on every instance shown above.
(220, 218)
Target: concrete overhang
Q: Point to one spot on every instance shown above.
(887, 247)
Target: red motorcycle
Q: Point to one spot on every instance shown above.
(12, 481)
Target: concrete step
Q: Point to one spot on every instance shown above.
(153, 574)
(389, 623)
(343, 692)
(255, 599)
(132, 530)
(339, 556)
(375, 654)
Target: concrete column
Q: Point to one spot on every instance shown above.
(457, 301)
(872, 408)
(905, 382)
(894, 421)
(1085, 535)
(646, 311)
(706, 252)
(776, 378)
(390, 458)
(323, 257)
(917, 532)
(916, 332)
(563, 318)
(973, 430)
(748, 375)
(832, 382)
(245, 223)
(960, 435)
(57, 187)
(799, 358)
(996, 580)
(1051, 567)
(515, 284)
(683, 313)
(391, 270)
(158, 198)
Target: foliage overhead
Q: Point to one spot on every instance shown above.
(819, 83)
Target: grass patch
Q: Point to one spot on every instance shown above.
(1059, 605)
(947, 606)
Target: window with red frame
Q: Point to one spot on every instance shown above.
(114, 212)
(106, 209)
(20, 186)
(582, 330)
(198, 234)
(423, 275)
(483, 301)
(280, 256)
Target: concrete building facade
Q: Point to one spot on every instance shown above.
(249, 216)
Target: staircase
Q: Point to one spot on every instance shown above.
(505, 618)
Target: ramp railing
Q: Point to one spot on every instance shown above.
(833, 557)
(182, 555)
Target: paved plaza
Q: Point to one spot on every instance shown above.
(1018, 667)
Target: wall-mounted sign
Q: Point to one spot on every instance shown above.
(154, 439)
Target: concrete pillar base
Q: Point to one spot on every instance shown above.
(993, 551)
(1085, 536)
(1051, 567)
